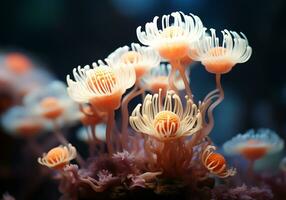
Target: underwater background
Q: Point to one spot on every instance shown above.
(57, 36)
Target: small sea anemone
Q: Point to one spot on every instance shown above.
(17, 63)
(102, 86)
(168, 121)
(53, 103)
(220, 58)
(158, 78)
(52, 108)
(173, 39)
(58, 157)
(19, 121)
(243, 192)
(216, 163)
(254, 145)
(142, 59)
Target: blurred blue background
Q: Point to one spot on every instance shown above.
(64, 34)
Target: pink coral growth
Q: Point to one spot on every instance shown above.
(241, 193)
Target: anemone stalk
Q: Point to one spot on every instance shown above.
(209, 107)
(109, 128)
(125, 113)
(171, 81)
(210, 124)
(177, 66)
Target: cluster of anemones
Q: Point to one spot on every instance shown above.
(19, 75)
(172, 131)
(179, 39)
(171, 139)
(40, 110)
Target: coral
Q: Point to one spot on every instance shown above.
(241, 193)
(277, 183)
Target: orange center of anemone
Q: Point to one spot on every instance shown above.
(102, 79)
(57, 155)
(176, 48)
(167, 123)
(216, 63)
(18, 63)
(216, 160)
(254, 150)
(52, 108)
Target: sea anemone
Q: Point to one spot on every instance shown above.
(141, 58)
(168, 121)
(220, 58)
(158, 78)
(173, 39)
(53, 103)
(216, 163)
(254, 145)
(17, 63)
(19, 121)
(102, 86)
(58, 157)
